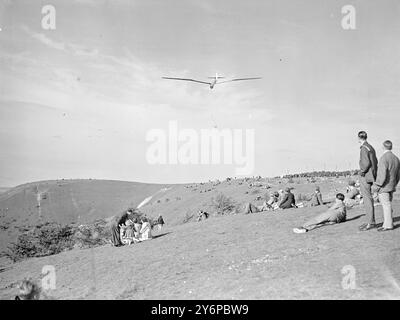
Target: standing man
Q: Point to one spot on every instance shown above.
(387, 179)
(116, 225)
(368, 170)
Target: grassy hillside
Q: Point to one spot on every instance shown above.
(82, 201)
(253, 256)
(181, 201)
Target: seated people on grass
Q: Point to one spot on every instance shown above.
(126, 233)
(116, 226)
(202, 215)
(281, 195)
(142, 229)
(273, 200)
(288, 200)
(145, 230)
(335, 214)
(352, 195)
(271, 204)
(316, 198)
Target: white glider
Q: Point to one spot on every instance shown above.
(213, 82)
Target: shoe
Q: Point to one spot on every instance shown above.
(362, 226)
(367, 227)
(384, 229)
(299, 230)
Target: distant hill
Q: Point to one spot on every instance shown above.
(315, 174)
(67, 201)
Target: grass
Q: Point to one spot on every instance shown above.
(254, 256)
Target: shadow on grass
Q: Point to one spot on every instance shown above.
(161, 235)
(354, 218)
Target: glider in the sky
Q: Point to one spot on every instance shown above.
(213, 82)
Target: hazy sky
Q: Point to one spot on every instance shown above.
(78, 101)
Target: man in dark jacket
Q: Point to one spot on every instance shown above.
(288, 200)
(368, 170)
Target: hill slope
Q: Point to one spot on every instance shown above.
(253, 256)
(82, 201)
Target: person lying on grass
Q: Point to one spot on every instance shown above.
(335, 214)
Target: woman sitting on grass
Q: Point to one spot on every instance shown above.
(143, 229)
(127, 233)
(335, 214)
(316, 198)
(116, 227)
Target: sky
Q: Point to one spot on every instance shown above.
(79, 101)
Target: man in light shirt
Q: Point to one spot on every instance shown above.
(386, 181)
(335, 214)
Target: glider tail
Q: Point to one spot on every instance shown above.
(216, 77)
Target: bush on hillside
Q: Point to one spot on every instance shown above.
(52, 238)
(223, 204)
(91, 235)
(43, 240)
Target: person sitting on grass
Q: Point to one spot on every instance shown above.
(352, 194)
(143, 229)
(127, 233)
(273, 201)
(202, 215)
(116, 227)
(271, 204)
(288, 200)
(316, 198)
(335, 214)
